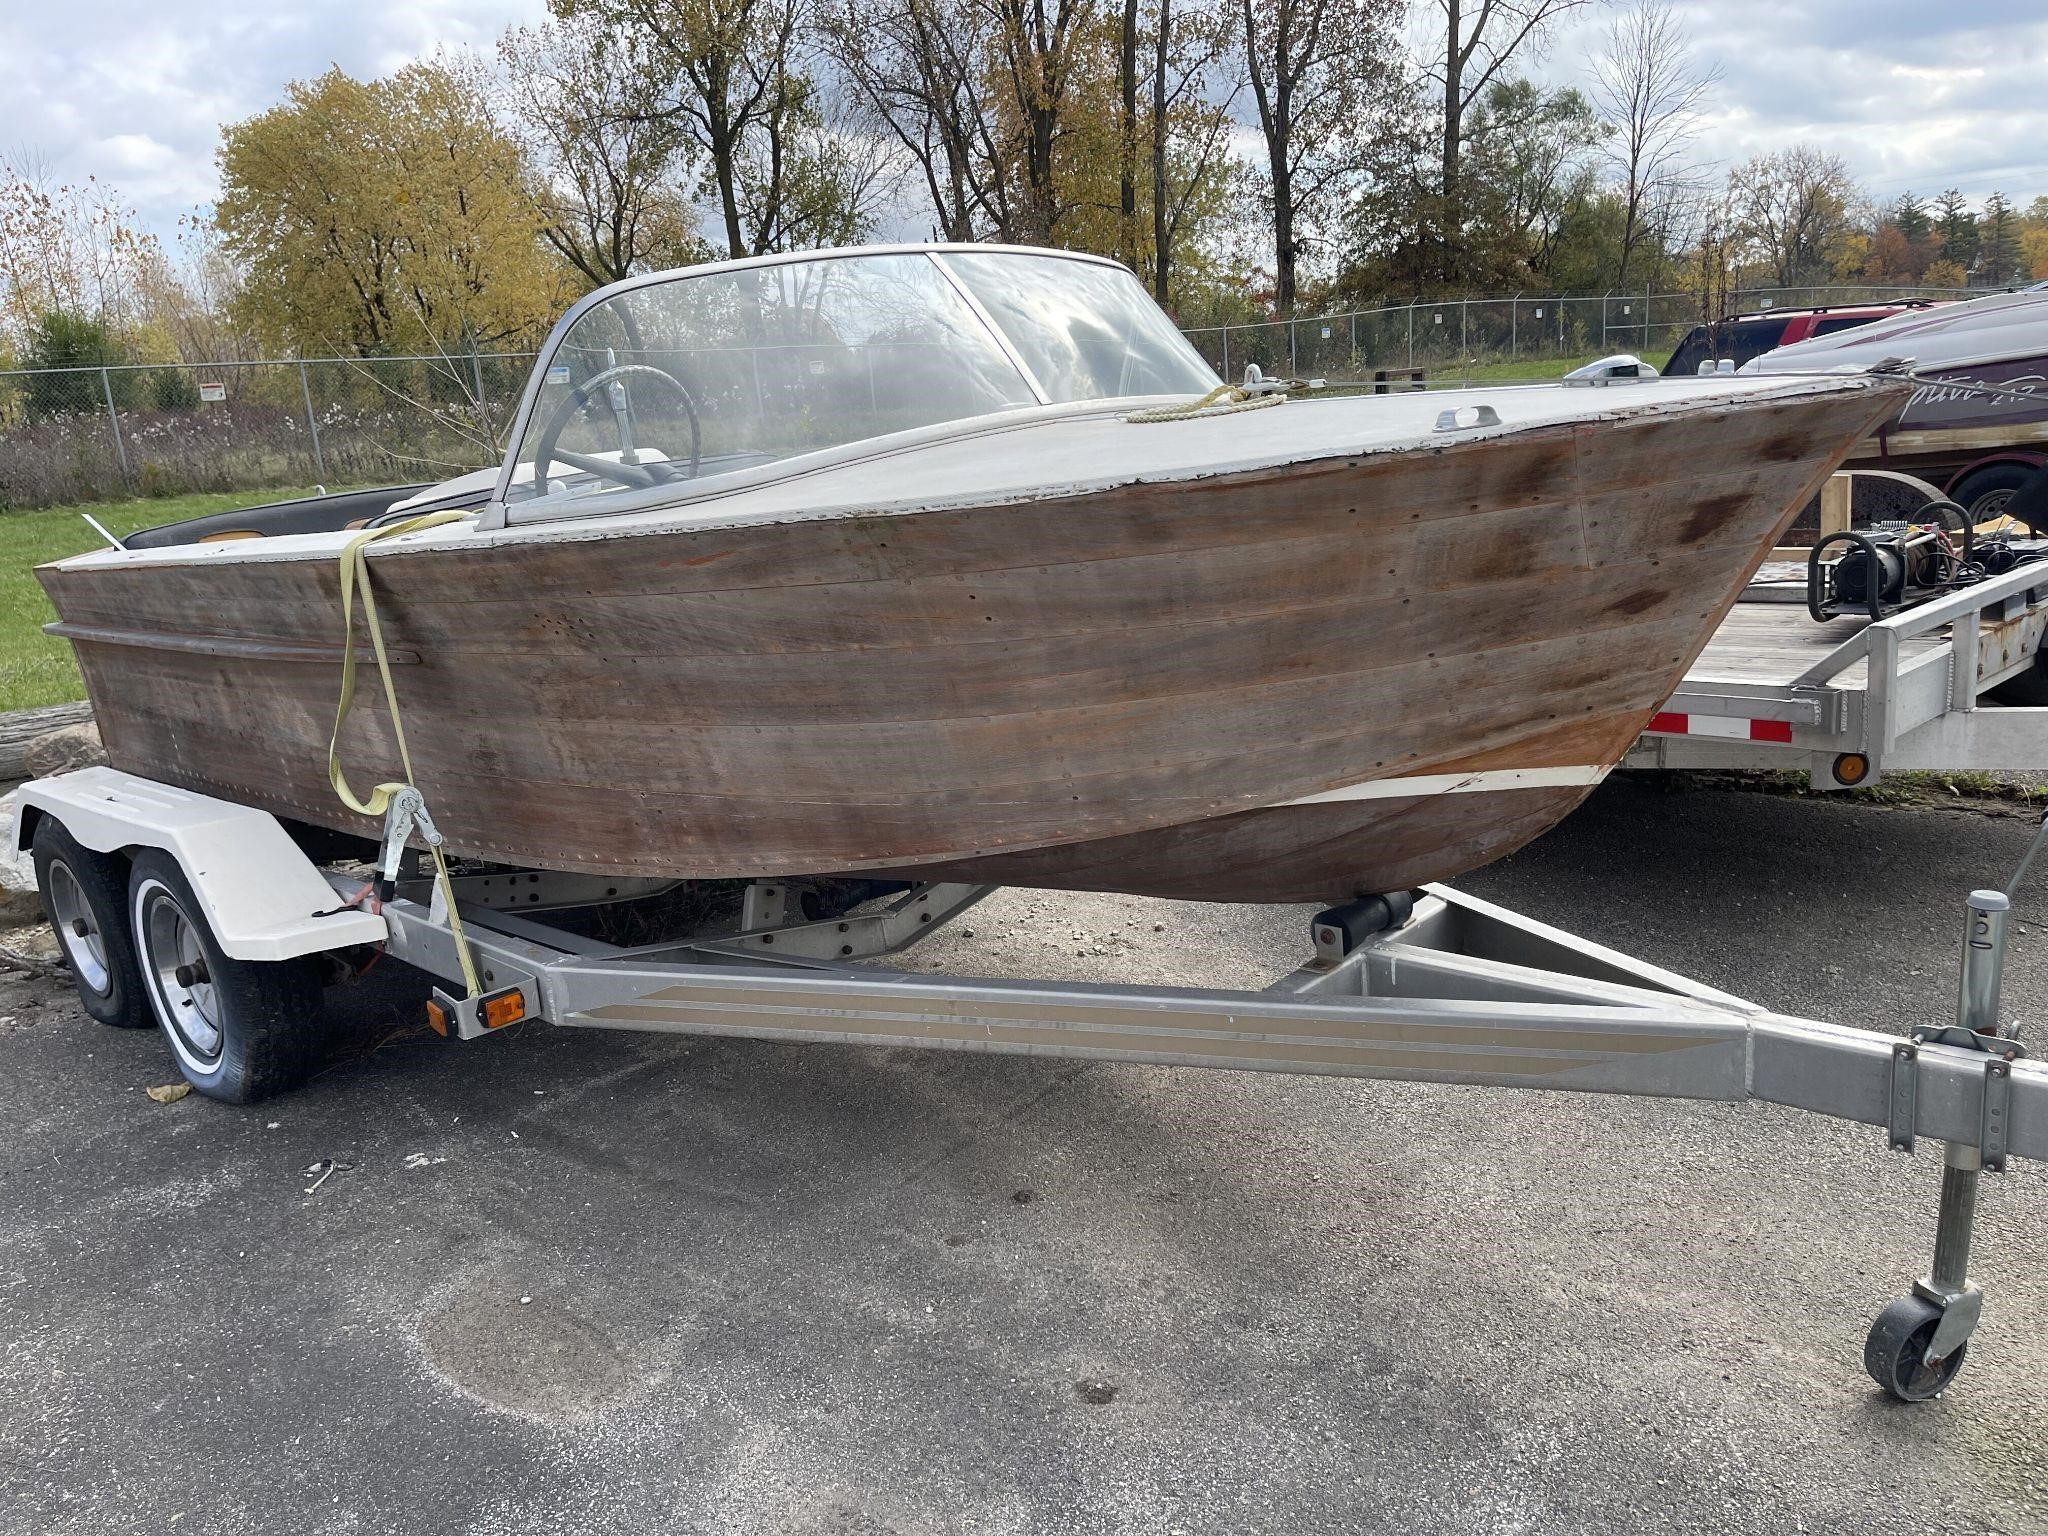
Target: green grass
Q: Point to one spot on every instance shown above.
(36, 668)
(1535, 369)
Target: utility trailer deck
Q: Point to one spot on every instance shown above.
(202, 916)
(1852, 699)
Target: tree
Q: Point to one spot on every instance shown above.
(1998, 242)
(1910, 215)
(1311, 65)
(1041, 49)
(919, 65)
(1529, 170)
(73, 347)
(1188, 129)
(1945, 274)
(1956, 227)
(1478, 40)
(1650, 90)
(1793, 209)
(609, 170)
(734, 75)
(382, 215)
(69, 248)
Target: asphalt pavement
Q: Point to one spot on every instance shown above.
(576, 1282)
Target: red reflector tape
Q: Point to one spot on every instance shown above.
(1671, 723)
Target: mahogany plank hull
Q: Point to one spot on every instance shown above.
(1122, 689)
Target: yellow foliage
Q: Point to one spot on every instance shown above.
(1945, 274)
(384, 216)
(2034, 250)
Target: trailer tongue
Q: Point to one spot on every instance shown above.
(224, 914)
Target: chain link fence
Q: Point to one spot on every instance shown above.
(1456, 339)
(97, 434)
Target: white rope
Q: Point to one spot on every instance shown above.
(1223, 400)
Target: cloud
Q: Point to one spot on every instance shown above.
(1912, 93)
(135, 92)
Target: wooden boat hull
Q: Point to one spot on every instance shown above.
(1124, 689)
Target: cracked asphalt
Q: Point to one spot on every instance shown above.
(579, 1282)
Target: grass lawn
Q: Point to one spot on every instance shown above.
(36, 668)
(1532, 369)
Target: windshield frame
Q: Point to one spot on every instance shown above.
(504, 509)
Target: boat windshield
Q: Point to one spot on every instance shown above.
(701, 375)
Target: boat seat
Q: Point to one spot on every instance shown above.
(307, 514)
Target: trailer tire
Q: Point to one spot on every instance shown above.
(241, 1030)
(1984, 492)
(85, 897)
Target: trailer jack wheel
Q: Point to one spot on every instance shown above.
(241, 1029)
(1896, 1353)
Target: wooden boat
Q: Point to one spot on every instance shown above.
(882, 561)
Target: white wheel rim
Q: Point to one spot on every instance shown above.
(84, 945)
(175, 965)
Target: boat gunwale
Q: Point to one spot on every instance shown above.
(669, 516)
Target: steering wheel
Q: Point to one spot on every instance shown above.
(546, 455)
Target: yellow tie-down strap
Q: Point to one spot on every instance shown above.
(355, 577)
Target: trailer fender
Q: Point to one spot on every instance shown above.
(264, 899)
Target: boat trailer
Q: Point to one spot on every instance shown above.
(1429, 986)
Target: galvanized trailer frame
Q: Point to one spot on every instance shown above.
(1852, 699)
(1432, 986)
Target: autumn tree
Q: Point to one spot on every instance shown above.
(375, 216)
(1043, 52)
(1473, 44)
(610, 172)
(1793, 207)
(738, 78)
(1313, 67)
(72, 249)
(2034, 239)
(1650, 90)
(1193, 86)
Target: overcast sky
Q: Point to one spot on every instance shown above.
(1918, 94)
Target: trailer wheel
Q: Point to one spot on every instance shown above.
(241, 1029)
(1895, 1353)
(1983, 493)
(85, 898)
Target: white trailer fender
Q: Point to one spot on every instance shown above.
(263, 898)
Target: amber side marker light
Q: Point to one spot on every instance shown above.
(502, 1008)
(437, 1018)
(1851, 768)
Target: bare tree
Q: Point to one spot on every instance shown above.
(1650, 90)
(609, 166)
(732, 74)
(1190, 125)
(1478, 39)
(918, 64)
(1311, 65)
